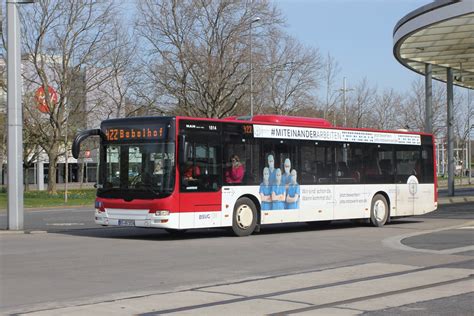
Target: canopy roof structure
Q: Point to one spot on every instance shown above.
(441, 34)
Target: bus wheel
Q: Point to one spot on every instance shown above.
(379, 211)
(245, 217)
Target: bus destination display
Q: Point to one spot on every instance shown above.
(134, 133)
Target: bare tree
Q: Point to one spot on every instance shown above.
(462, 117)
(385, 109)
(289, 74)
(67, 44)
(199, 54)
(330, 74)
(360, 103)
(412, 113)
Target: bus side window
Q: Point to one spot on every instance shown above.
(247, 152)
(408, 163)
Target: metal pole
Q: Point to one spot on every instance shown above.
(344, 100)
(66, 165)
(15, 120)
(344, 108)
(251, 66)
(469, 133)
(449, 125)
(251, 73)
(428, 99)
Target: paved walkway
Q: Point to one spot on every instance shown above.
(347, 290)
(351, 290)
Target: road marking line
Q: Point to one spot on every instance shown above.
(396, 300)
(197, 300)
(395, 242)
(65, 224)
(371, 292)
(466, 227)
(456, 250)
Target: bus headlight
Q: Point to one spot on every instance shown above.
(162, 213)
(99, 207)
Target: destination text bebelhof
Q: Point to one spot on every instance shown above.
(133, 133)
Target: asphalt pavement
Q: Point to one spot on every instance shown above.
(344, 268)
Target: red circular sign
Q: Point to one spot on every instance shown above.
(41, 99)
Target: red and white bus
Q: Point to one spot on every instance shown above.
(179, 173)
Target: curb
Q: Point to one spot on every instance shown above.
(455, 199)
(395, 242)
(6, 232)
(56, 207)
(11, 232)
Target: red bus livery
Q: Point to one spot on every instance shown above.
(179, 173)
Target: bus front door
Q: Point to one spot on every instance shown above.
(201, 196)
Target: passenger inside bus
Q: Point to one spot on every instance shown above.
(191, 172)
(356, 168)
(308, 175)
(235, 172)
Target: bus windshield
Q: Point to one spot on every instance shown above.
(144, 170)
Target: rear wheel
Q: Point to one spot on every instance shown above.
(379, 211)
(244, 219)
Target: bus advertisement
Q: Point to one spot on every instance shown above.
(179, 173)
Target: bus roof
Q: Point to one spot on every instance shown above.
(297, 121)
(270, 119)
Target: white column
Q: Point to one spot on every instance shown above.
(15, 120)
(40, 175)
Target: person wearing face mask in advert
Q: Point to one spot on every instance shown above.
(278, 192)
(266, 191)
(286, 177)
(271, 168)
(293, 194)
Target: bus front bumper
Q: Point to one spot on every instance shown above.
(127, 219)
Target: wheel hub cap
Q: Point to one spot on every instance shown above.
(380, 210)
(244, 216)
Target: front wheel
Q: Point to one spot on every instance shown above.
(245, 217)
(379, 211)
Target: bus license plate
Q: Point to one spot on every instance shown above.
(126, 222)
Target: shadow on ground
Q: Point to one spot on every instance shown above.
(136, 233)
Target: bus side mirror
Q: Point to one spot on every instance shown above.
(82, 136)
(181, 150)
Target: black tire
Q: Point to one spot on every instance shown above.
(244, 219)
(379, 211)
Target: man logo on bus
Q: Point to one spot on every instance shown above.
(412, 185)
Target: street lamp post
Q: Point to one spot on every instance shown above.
(15, 121)
(257, 19)
(469, 156)
(344, 90)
